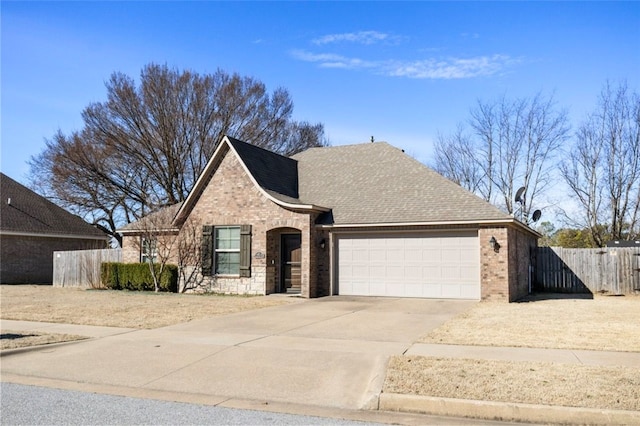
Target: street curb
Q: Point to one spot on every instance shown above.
(34, 348)
(505, 411)
(361, 415)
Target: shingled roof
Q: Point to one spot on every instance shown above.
(22, 211)
(272, 171)
(364, 184)
(375, 183)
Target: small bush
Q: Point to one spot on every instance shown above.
(137, 276)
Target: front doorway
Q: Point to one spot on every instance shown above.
(291, 267)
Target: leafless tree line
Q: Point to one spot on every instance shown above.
(523, 142)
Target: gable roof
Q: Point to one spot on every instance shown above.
(376, 183)
(23, 212)
(274, 175)
(159, 221)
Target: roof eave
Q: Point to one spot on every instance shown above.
(54, 235)
(148, 231)
(505, 221)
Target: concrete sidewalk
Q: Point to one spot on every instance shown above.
(563, 356)
(52, 327)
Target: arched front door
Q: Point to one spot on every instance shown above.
(291, 277)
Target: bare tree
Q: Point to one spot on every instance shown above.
(506, 144)
(602, 169)
(156, 240)
(189, 247)
(146, 145)
(456, 159)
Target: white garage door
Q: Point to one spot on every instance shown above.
(433, 265)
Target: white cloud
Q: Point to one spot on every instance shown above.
(431, 68)
(330, 60)
(450, 68)
(361, 37)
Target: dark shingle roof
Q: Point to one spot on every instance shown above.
(377, 183)
(28, 212)
(272, 171)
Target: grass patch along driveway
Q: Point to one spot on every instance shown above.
(120, 308)
(603, 323)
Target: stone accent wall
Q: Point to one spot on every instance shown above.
(29, 260)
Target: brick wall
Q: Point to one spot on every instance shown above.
(29, 260)
(231, 198)
(505, 273)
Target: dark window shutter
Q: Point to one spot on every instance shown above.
(207, 250)
(245, 250)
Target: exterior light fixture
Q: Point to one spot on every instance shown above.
(494, 244)
(322, 244)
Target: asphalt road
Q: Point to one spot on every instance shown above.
(32, 405)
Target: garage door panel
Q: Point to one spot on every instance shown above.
(436, 265)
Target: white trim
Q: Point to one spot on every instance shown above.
(477, 223)
(68, 236)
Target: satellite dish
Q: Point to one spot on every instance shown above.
(536, 215)
(519, 194)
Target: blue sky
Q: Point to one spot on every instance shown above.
(398, 71)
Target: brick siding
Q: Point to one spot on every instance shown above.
(231, 198)
(29, 260)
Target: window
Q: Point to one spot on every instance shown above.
(227, 250)
(149, 251)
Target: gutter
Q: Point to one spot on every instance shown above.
(67, 236)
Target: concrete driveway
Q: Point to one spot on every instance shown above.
(328, 352)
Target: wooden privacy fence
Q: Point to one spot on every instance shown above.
(600, 270)
(81, 268)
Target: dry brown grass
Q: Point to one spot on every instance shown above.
(119, 308)
(519, 382)
(19, 339)
(602, 323)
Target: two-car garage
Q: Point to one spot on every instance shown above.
(401, 264)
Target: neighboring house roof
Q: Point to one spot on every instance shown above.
(375, 183)
(23, 212)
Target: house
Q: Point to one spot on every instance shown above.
(31, 229)
(362, 219)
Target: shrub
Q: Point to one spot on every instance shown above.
(137, 276)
